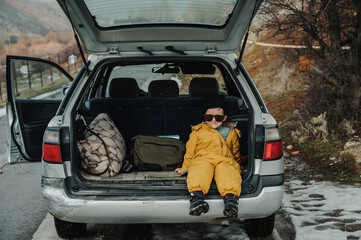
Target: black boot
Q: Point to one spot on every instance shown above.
(198, 205)
(230, 205)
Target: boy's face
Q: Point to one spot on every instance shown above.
(214, 112)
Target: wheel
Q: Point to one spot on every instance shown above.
(260, 227)
(69, 230)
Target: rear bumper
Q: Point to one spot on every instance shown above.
(149, 209)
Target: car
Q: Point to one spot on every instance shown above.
(189, 50)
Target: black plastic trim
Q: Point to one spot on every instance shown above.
(260, 138)
(272, 180)
(65, 143)
(148, 188)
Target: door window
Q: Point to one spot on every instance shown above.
(37, 80)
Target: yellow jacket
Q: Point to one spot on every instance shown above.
(204, 141)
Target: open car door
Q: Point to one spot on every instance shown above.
(34, 90)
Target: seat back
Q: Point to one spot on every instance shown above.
(123, 88)
(163, 88)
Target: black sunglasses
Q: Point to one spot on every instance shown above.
(209, 117)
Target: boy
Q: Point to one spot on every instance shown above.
(213, 151)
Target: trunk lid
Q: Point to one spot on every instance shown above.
(190, 26)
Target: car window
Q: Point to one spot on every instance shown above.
(119, 13)
(35, 80)
(144, 74)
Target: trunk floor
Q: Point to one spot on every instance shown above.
(164, 175)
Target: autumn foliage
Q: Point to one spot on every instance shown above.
(330, 30)
(48, 46)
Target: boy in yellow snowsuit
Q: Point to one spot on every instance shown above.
(213, 151)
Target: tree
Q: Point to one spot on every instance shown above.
(331, 31)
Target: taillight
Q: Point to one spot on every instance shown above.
(51, 153)
(51, 146)
(273, 144)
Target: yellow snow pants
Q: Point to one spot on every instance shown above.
(226, 173)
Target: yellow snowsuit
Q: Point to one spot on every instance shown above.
(208, 155)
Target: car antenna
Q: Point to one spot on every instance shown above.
(78, 42)
(172, 49)
(245, 39)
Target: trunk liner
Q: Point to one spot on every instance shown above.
(164, 175)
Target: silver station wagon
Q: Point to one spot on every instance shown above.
(150, 66)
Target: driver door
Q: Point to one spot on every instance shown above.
(34, 92)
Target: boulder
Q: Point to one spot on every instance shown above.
(351, 154)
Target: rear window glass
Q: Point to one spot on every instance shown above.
(144, 74)
(110, 13)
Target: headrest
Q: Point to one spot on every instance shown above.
(163, 88)
(214, 101)
(234, 104)
(123, 88)
(201, 87)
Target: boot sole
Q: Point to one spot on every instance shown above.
(198, 210)
(231, 213)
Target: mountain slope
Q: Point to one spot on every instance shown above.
(32, 17)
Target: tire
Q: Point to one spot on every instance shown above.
(260, 227)
(69, 230)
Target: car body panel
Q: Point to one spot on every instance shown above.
(155, 37)
(270, 167)
(150, 209)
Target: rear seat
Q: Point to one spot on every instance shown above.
(164, 112)
(132, 114)
(191, 107)
(166, 92)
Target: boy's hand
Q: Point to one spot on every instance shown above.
(178, 171)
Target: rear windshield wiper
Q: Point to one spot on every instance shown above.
(172, 49)
(146, 51)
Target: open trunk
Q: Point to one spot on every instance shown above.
(141, 109)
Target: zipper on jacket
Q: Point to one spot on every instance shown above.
(219, 149)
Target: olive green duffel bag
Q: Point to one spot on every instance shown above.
(152, 153)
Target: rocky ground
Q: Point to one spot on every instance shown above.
(318, 209)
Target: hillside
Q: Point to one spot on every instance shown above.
(36, 28)
(32, 17)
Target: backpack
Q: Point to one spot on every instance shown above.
(152, 153)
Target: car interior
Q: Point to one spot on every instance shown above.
(161, 105)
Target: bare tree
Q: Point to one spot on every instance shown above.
(331, 30)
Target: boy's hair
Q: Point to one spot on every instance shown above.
(214, 101)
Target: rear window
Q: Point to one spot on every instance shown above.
(144, 74)
(111, 13)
